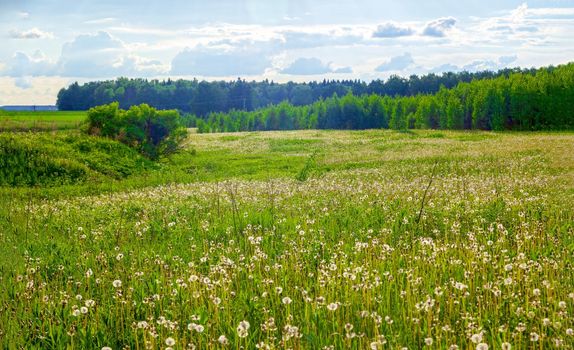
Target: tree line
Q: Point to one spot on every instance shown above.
(521, 100)
(201, 97)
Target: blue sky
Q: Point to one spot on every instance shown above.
(48, 44)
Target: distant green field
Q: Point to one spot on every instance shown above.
(24, 121)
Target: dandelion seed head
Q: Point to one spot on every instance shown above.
(169, 341)
(332, 306)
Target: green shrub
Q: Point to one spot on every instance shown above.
(152, 132)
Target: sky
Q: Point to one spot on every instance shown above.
(49, 44)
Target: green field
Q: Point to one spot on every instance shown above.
(305, 240)
(40, 121)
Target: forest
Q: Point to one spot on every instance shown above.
(202, 97)
(521, 100)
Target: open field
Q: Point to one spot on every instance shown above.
(40, 121)
(305, 240)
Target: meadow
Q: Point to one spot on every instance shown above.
(309, 239)
(40, 121)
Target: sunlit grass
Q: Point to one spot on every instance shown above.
(368, 250)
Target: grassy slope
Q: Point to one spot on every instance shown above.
(496, 225)
(45, 160)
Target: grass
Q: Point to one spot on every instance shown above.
(315, 239)
(40, 121)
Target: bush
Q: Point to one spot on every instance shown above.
(152, 132)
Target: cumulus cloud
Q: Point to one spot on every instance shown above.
(312, 66)
(483, 65)
(102, 55)
(23, 65)
(87, 56)
(397, 63)
(439, 27)
(217, 62)
(478, 65)
(33, 33)
(392, 30)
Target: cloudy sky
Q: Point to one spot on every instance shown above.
(48, 44)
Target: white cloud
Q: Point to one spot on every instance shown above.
(439, 27)
(397, 63)
(312, 66)
(478, 65)
(392, 30)
(102, 55)
(23, 65)
(87, 56)
(518, 14)
(218, 62)
(33, 33)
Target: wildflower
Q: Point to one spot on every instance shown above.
(482, 346)
(90, 303)
(170, 341)
(119, 257)
(562, 305)
(332, 306)
(428, 341)
(508, 267)
(536, 292)
(506, 346)
(534, 337)
(476, 338)
(243, 329)
(84, 310)
(453, 347)
(570, 331)
(223, 340)
(77, 313)
(286, 300)
(89, 273)
(117, 283)
(106, 348)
